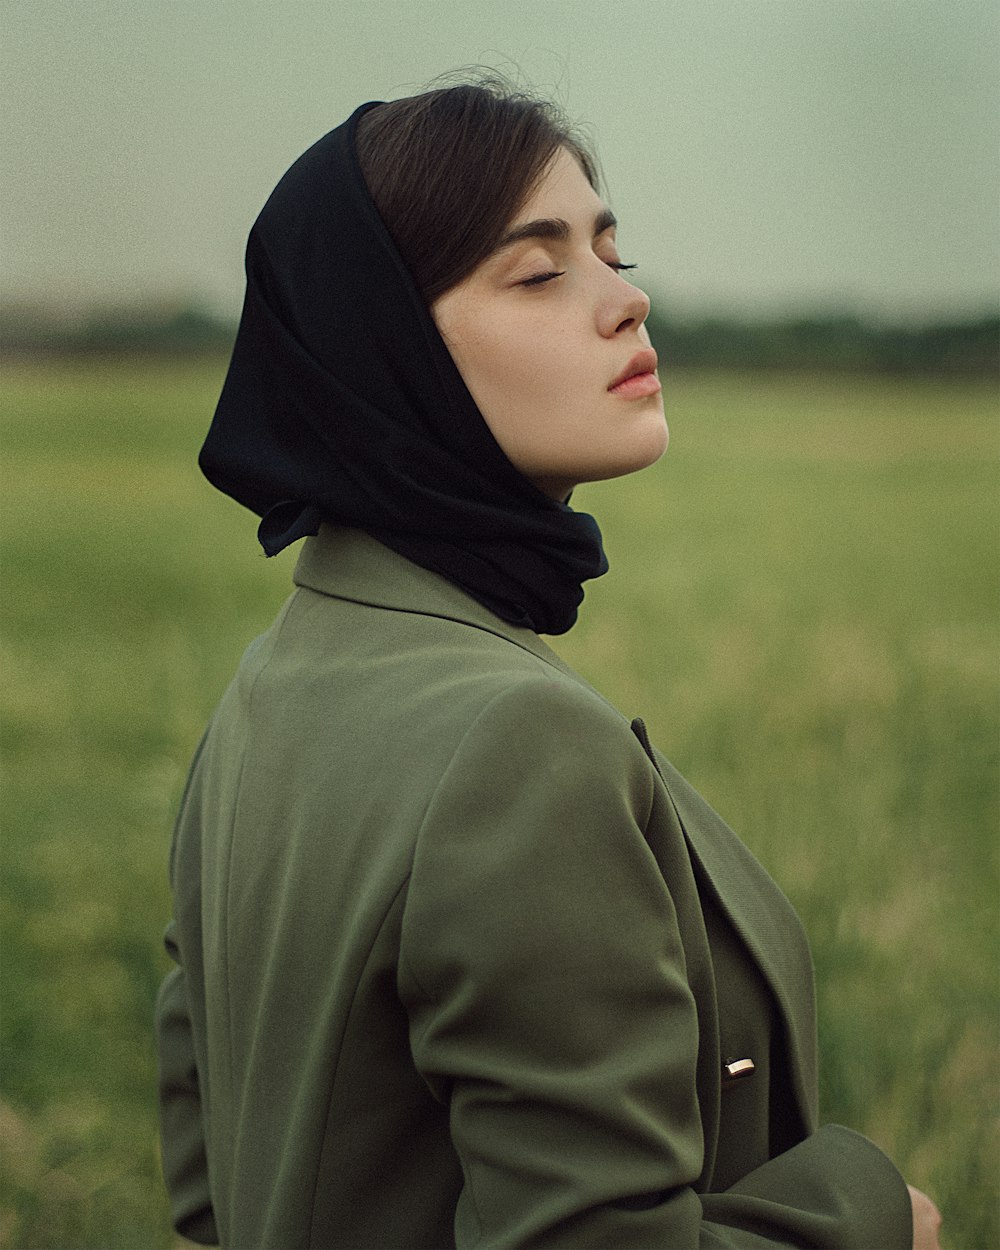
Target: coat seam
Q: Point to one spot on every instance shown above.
(340, 1050)
(277, 629)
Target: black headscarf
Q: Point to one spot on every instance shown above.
(342, 403)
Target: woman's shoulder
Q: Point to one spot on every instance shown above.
(416, 680)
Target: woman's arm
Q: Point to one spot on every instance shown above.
(544, 973)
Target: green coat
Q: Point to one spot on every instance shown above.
(461, 960)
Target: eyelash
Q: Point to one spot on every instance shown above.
(541, 278)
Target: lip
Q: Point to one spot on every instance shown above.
(642, 364)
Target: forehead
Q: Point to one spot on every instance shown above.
(563, 191)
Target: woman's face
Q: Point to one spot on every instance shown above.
(543, 333)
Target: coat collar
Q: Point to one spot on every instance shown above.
(350, 564)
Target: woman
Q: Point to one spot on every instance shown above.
(461, 959)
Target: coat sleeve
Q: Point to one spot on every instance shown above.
(182, 1133)
(543, 970)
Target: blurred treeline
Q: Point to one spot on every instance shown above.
(830, 341)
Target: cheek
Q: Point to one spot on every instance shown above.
(530, 366)
(508, 374)
(523, 374)
(483, 350)
(503, 353)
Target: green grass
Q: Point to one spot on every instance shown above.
(802, 604)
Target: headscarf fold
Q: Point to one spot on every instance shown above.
(342, 403)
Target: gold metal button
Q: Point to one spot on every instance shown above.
(737, 1069)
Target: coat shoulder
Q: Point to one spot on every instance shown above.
(397, 668)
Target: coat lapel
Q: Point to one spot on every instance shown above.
(350, 564)
(752, 902)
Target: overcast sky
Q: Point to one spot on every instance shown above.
(761, 156)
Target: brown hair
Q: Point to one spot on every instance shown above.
(450, 169)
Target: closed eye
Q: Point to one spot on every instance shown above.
(539, 278)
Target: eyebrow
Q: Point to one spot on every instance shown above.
(554, 228)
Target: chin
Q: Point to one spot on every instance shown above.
(640, 453)
(649, 449)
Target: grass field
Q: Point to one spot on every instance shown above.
(802, 604)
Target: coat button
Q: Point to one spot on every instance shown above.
(737, 1070)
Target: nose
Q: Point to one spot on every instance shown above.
(625, 307)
